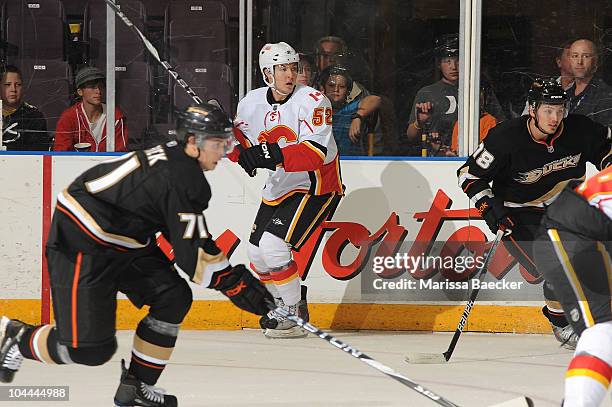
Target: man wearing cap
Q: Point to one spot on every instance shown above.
(83, 125)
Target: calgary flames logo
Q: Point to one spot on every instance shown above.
(277, 133)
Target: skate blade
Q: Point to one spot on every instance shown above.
(292, 333)
(425, 358)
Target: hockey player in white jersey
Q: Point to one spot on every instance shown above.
(287, 128)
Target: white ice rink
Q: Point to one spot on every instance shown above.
(242, 368)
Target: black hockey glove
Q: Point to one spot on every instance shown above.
(495, 214)
(262, 155)
(244, 290)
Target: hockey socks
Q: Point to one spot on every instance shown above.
(589, 373)
(287, 282)
(266, 280)
(40, 343)
(555, 316)
(586, 381)
(153, 345)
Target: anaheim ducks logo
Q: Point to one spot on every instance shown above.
(534, 175)
(277, 133)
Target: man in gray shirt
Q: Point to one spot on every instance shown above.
(434, 111)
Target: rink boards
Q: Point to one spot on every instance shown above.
(391, 201)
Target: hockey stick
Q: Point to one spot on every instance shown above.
(365, 358)
(242, 142)
(518, 402)
(154, 52)
(414, 357)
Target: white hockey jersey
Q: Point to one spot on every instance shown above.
(302, 127)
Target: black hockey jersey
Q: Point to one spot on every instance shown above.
(119, 205)
(526, 172)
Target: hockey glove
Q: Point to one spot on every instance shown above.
(495, 214)
(244, 290)
(264, 155)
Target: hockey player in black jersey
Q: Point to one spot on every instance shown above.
(573, 254)
(102, 240)
(522, 165)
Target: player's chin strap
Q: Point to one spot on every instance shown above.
(535, 120)
(273, 85)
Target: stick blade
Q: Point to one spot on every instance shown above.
(517, 402)
(425, 358)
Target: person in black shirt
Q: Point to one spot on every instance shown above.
(24, 127)
(589, 95)
(523, 165)
(102, 240)
(573, 254)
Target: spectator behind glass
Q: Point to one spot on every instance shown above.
(434, 111)
(589, 96)
(331, 50)
(349, 118)
(305, 67)
(486, 122)
(564, 63)
(24, 126)
(84, 123)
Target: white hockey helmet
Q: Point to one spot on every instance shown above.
(276, 54)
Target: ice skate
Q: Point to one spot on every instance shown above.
(11, 331)
(276, 326)
(133, 392)
(566, 336)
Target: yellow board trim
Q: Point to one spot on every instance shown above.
(410, 317)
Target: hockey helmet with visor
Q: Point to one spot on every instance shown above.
(205, 122)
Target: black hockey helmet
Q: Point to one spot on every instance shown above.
(546, 90)
(204, 121)
(336, 70)
(447, 46)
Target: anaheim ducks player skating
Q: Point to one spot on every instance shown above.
(102, 241)
(523, 165)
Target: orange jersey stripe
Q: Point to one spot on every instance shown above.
(600, 184)
(75, 286)
(283, 197)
